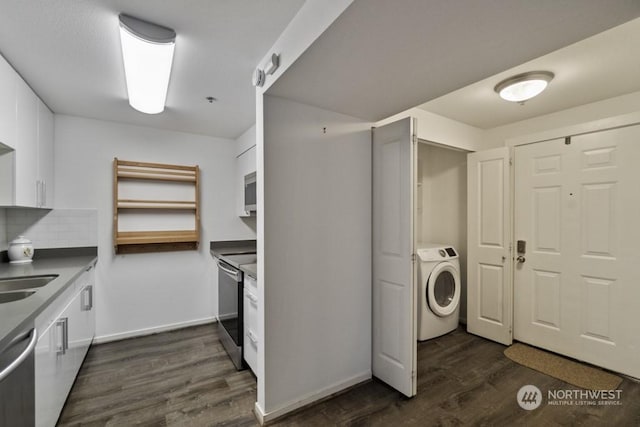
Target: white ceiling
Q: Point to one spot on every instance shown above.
(382, 57)
(69, 53)
(597, 68)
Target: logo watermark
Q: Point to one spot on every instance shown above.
(584, 397)
(530, 397)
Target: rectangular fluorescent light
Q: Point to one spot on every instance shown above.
(147, 52)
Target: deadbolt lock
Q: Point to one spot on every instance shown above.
(521, 247)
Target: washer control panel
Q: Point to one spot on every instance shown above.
(439, 253)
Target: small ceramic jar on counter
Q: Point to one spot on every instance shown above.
(20, 250)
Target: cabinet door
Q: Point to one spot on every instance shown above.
(45, 156)
(26, 154)
(78, 334)
(62, 347)
(245, 164)
(8, 80)
(49, 365)
(86, 324)
(250, 329)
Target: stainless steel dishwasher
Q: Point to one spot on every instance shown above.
(17, 381)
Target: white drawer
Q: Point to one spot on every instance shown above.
(251, 329)
(251, 284)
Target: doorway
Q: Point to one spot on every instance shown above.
(419, 193)
(576, 205)
(441, 203)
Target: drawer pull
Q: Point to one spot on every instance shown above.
(87, 298)
(253, 337)
(63, 343)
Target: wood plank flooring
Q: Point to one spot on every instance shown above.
(184, 378)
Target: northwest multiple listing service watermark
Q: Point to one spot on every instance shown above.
(530, 397)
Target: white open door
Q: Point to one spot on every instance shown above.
(489, 284)
(394, 304)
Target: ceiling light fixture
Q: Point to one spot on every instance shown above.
(147, 52)
(523, 87)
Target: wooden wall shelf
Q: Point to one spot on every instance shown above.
(159, 180)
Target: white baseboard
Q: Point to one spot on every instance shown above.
(308, 398)
(153, 330)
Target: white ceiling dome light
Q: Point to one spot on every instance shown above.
(523, 87)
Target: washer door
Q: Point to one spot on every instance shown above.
(443, 289)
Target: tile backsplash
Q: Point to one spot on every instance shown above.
(58, 228)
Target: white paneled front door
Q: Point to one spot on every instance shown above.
(576, 284)
(394, 304)
(488, 236)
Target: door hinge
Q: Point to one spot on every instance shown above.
(414, 138)
(413, 257)
(413, 374)
(510, 161)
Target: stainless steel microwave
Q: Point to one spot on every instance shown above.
(250, 189)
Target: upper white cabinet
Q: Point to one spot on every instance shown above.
(26, 147)
(245, 164)
(8, 79)
(44, 182)
(26, 135)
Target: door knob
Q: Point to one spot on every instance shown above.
(520, 259)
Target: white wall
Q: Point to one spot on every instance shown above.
(317, 254)
(313, 18)
(442, 175)
(141, 293)
(570, 118)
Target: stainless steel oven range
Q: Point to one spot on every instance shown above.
(230, 312)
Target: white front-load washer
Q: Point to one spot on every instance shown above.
(438, 290)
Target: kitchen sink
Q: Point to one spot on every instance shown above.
(25, 283)
(14, 296)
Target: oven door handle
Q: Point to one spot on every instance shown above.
(232, 273)
(27, 351)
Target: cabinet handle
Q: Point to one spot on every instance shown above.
(64, 345)
(44, 193)
(38, 193)
(87, 298)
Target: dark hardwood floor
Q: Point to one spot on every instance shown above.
(184, 378)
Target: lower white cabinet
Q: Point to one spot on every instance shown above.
(251, 323)
(67, 326)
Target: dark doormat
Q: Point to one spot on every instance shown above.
(562, 368)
